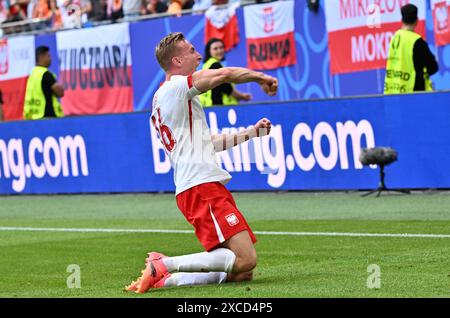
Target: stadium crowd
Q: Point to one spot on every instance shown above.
(37, 15)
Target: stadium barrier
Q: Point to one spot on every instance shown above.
(314, 145)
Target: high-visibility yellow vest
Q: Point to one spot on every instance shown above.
(34, 107)
(206, 97)
(400, 71)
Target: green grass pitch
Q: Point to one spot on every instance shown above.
(34, 263)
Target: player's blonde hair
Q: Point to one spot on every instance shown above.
(166, 49)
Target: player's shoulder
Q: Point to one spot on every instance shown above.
(179, 80)
(176, 81)
(175, 78)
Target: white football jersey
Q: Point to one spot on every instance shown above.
(180, 121)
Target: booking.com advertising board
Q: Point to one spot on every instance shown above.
(313, 145)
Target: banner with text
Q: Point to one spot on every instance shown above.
(16, 62)
(441, 18)
(95, 69)
(359, 32)
(269, 31)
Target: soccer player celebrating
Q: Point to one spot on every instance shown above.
(178, 117)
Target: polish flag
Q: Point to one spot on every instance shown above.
(269, 29)
(221, 23)
(16, 62)
(441, 15)
(95, 70)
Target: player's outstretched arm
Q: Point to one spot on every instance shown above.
(226, 141)
(205, 80)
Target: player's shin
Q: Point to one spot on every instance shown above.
(189, 279)
(218, 260)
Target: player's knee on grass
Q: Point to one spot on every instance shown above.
(240, 277)
(242, 246)
(245, 262)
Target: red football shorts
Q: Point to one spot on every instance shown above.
(211, 209)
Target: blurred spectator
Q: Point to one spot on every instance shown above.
(56, 20)
(86, 8)
(133, 8)
(223, 2)
(23, 4)
(81, 9)
(42, 11)
(188, 4)
(42, 89)
(115, 9)
(98, 12)
(16, 13)
(59, 13)
(175, 7)
(30, 9)
(201, 5)
(3, 11)
(155, 6)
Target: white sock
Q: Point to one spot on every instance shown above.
(218, 260)
(189, 279)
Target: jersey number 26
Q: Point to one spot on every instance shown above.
(166, 135)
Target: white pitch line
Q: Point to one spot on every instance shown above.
(43, 229)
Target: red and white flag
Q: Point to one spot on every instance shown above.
(16, 62)
(359, 32)
(95, 69)
(441, 16)
(269, 31)
(221, 23)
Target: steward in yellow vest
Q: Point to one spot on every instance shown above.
(410, 61)
(225, 94)
(42, 89)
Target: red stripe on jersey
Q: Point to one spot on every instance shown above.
(154, 124)
(190, 116)
(189, 80)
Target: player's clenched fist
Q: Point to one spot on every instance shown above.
(269, 85)
(263, 127)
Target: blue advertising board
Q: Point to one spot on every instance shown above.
(314, 145)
